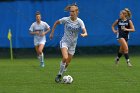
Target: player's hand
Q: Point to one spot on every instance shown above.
(37, 32)
(115, 31)
(42, 34)
(84, 35)
(51, 36)
(125, 29)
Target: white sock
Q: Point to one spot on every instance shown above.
(38, 57)
(42, 57)
(62, 67)
(61, 63)
(65, 69)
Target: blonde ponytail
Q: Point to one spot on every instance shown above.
(67, 8)
(129, 15)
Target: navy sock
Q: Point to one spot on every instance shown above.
(119, 54)
(126, 57)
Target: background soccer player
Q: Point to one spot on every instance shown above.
(39, 29)
(72, 25)
(125, 25)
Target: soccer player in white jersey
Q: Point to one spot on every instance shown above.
(39, 29)
(72, 25)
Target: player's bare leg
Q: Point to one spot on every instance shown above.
(68, 61)
(40, 50)
(124, 44)
(62, 65)
(120, 53)
(36, 48)
(40, 54)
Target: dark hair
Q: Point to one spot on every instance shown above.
(37, 13)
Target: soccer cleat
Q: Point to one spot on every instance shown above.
(116, 61)
(129, 64)
(42, 64)
(58, 79)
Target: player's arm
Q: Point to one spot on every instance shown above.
(53, 29)
(132, 28)
(44, 33)
(84, 32)
(113, 26)
(32, 32)
(48, 30)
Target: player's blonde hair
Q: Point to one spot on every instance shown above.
(67, 8)
(127, 13)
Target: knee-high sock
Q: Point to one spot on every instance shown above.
(65, 66)
(126, 57)
(62, 67)
(118, 56)
(42, 57)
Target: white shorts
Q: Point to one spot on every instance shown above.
(70, 48)
(36, 43)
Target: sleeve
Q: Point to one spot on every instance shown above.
(129, 20)
(46, 25)
(118, 20)
(31, 28)
(63, 20)
(82, 24)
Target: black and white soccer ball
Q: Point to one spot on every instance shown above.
(67, 79)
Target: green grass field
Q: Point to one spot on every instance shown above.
(92, 74)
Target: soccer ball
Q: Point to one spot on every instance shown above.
(67, 79)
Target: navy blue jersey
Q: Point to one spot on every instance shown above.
(123, 24)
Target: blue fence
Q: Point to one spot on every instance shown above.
(98, 16)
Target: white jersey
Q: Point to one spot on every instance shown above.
(42, 27)
(71, 29)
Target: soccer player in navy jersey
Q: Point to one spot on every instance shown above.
(125, 25)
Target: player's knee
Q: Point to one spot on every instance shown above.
(65, 57)
(126, 50)
(40, 51)
(121, 51)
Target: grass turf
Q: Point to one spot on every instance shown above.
(92, 74)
